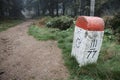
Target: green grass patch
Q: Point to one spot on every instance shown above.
(5, 24)
(107, 67)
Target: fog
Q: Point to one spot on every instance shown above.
(35, 8)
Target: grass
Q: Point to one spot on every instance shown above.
(5, 24)
(107, 67)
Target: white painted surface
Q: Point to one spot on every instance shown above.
(86, 45)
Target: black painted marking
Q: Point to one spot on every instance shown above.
(78, 42)
(96, 44)
(86, 34)
(92, 49)
(94, 53)
(90, 53)
(93, 43)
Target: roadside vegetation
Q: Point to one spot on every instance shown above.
(5, 24)
(107, 67)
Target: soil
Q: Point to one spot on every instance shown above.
(24, 58)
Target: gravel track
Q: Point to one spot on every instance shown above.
(24, 58)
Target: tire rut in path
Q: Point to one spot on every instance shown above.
(24, 58)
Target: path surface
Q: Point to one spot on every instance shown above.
(24, 58)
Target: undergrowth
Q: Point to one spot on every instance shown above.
(61, 22)
(107, 67)
(5, 24)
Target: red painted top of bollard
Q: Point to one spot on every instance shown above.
(90, 23)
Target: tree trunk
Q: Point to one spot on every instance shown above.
(38, 8)
(83, 7)
(75, 8)
(92, 7)
(63, 8)
(57, 8)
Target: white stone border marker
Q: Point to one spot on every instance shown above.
(88, 36)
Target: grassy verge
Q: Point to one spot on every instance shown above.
(107, 67)
(4, 25)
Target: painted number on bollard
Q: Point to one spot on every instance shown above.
(78, 42)
(92, 50)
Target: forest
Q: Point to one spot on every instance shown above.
(34, 8)
(36, 39)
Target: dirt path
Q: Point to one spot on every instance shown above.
(24, 58)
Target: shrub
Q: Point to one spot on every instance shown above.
(109, 34)
(115, 23)
(107, 20)
(62, 22)
(42, 21)
(5, 24)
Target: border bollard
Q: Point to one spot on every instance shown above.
(88, 36)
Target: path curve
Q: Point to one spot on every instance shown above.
(24, 58)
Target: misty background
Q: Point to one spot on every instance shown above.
(35, 8)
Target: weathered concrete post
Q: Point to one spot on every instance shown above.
(88, 36)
